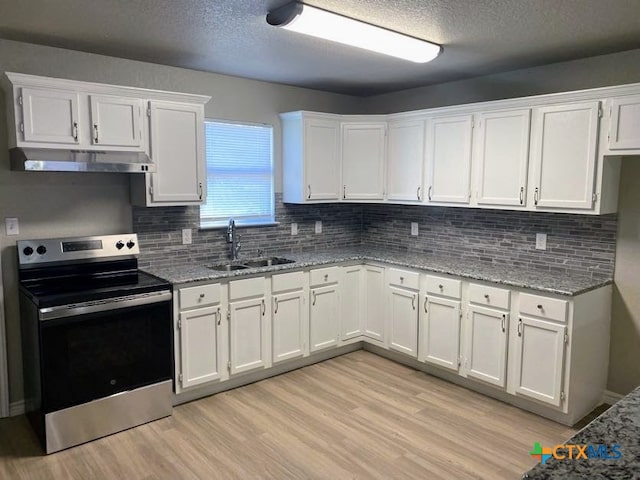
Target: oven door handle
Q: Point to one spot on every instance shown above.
(105, 305)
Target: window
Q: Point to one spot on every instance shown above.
(239, 174)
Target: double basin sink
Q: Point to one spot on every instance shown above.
(261, 262)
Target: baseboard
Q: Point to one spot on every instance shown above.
(610, 397)
(16, 408)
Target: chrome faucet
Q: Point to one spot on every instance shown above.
(233, 239)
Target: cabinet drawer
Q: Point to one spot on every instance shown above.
(489, 296)
(404, 278)
(447, 287)
(248, 287)
(322, 276)
(287, 281)
(200, 296)
(543, 307)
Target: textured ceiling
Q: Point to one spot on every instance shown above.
(232, 36)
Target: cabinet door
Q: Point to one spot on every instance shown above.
(363, 154)
(116, 121)
(486, 345)
(624, 133)
(405, 160)
(352, 302)
(374, 303)
(540, 360)
(440, 332)
(322, 159)
(200, 352)
(324, 317)
(564, 149)
(288, 326)
(177, 149)
(247, 335)
(502, 157)
(50, 116)
(403, 321)
(449, 159)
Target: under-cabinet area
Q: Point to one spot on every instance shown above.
(547, 353)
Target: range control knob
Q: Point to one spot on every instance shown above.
(119, 245)
(27, 251)
(41, 250)
(131, 244)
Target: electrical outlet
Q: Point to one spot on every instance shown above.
(11, 226)
(541, 241)
(186, 236)
(318, 226)
(294, 228)
(414, 229)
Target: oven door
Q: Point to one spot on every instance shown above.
(97, 349)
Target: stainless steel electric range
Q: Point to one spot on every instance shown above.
(96, 338)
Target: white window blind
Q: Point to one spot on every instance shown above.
(239, 174)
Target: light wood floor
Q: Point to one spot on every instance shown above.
(355, 416)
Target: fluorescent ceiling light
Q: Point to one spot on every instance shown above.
(319, 23)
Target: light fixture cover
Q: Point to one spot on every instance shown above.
(316, 22)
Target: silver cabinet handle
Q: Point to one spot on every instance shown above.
(344, 191)
(75, 131)
(200, 190)
(426, 299)
(401, 279)
(504, 319)
(275, 302)
(429, 193)
(520, 327)
(95, 132)
(521, 195)
(326, 277)
(536, 194)
(418, 192)
(219, 315)
(264, 308)
(413, 302)
(314, 298)
(309, 191)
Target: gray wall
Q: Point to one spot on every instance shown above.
(64, 204)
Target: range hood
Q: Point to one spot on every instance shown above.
(54, 160)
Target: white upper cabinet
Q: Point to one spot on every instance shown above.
(116, 121)
(311, 157)
(177, 149)
(624, 132)
(405, 161)
(363, 159)
(501, 157)
(448, 159)
(49, 116)
(563, 153)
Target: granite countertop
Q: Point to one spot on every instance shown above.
(544, 281)
(620, 425)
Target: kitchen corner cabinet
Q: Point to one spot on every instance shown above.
(249, 325)
(501, 157)
(448, 159)
(405, 161)
(564, 153)
(363, 160)
(374, 307)
(624, 129)
(199, 335)
(311, 157)
(324, 308)
(352, 300)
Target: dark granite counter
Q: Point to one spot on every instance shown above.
(620, 425)
(543, 281)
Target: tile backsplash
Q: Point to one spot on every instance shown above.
(576, 244)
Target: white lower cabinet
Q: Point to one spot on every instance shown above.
(288, 326)
(485, 350)
(352, 302)
(540, 351)
(440, 332)
(324, 317)
(403, 320)
(374, 303)
(249, 322)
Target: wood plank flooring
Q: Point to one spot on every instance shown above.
(355, 416)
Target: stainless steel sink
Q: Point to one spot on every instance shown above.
(227, 267)
(267, 262)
